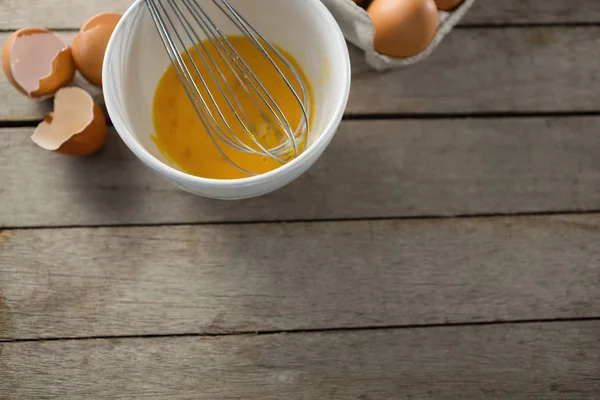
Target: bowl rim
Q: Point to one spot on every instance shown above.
(328, 132)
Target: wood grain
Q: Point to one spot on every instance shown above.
(531, 361)
(263, 277)
(502, 70)
(71, 14)
(57, 14)
(533, 12)
(373, 169)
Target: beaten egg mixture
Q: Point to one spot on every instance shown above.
(180, 134)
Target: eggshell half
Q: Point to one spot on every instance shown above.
(76, 127)
(37, 62)
(89, 45)
(403, 28)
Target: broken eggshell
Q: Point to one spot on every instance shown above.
(89, 45)
(37, 62)
(76, 127)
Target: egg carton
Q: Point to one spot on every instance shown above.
(357, 26)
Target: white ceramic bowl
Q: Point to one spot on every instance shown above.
(136, 59)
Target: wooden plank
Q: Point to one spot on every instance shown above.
(266, 277)
(373, 169)
(501, 70)
(68, 14)
(533, 12)
(530, 361)
(58, 14)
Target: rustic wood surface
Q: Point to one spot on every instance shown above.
(474, 71)
(515, 361)
(68, 14)
(355, 284)
(265, 277)
(533, 12)
(394, 168)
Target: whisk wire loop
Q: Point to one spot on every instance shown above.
(197, 96)
(185, 78)
(218, 46)
(182, 25)
(253, 33)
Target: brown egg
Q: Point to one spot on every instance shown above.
(37, 62)
(76, 127)
(447, 5)
(403, 28)
(89, 45)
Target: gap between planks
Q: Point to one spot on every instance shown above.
(528, 25)
(395, 116)
(479, 216)
(463, 26)
(306, 331)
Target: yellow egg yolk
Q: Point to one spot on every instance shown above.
(184, 140)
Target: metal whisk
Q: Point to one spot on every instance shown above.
(185, 27)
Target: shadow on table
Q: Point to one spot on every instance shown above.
(353, 179)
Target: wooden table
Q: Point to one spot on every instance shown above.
(447, 245)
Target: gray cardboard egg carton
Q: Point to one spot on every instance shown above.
(358, 29)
